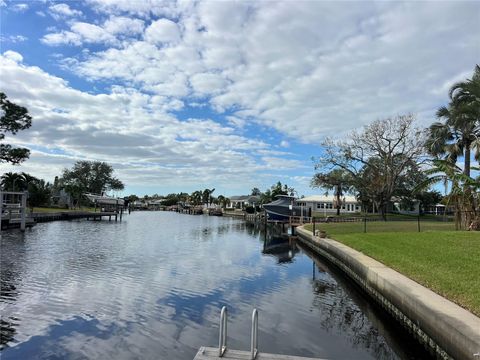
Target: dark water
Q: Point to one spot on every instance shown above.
(151, 287)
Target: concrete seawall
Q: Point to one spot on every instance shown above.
(451, 331)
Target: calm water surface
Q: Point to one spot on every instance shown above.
(152, 286)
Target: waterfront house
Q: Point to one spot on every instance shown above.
(326, 205)
(243, 201)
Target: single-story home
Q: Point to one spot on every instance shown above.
(241, 202)
(327, 204)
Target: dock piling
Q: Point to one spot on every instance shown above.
(24, 211)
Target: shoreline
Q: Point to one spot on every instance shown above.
(448, 329)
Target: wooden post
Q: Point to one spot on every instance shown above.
(418, 223)
(365, 224)
(23, 210)
(313, 221)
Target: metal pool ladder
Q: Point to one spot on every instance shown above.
(212, 353)
(222, 341)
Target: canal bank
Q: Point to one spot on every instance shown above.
(451, 331)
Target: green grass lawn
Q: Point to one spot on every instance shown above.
(448, 262)
(383, 226)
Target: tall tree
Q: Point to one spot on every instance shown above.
(223, 201)
(90, 176)
(11, 181)
(458, 136)
(459, 133)
(381, 155)
(39, 192)
(14, 118)
(207, 196)
(196, 198)
(256, 192)
(465, 203)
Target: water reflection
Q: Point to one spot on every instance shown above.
(152, 287)
(283, 247)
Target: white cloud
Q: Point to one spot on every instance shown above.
(60, 11)
(13, 38)
(63, 37)
(110, 32)
(144, 9)
(92, 33)
(12, 55)
(162, 32)
(207, 83)
(20, 7)
(123, 25)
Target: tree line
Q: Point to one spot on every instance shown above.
(84, 177)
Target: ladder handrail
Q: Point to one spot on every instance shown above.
(222, 341)
(254, 336)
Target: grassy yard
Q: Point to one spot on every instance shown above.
(383, 226)
(448, 262)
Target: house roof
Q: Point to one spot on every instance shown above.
(330, 198)
(249, 198)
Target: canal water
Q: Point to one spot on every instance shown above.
(152, 286)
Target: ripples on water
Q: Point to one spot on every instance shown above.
(152, 287)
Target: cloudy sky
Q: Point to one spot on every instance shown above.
(179, 96)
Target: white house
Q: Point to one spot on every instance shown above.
(327, 204)
(240, 202)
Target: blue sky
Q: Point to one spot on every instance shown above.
(180, 96)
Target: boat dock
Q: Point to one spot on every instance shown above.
(72, 215)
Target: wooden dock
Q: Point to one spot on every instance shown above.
(72, 215)
(210, 353)
(14, 222)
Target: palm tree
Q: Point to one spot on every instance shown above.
(337, 180)
(196, 198)
(28, 179)
(457, 136)
(468, 91)
(11, 181)
(466, 203)
(207, 196)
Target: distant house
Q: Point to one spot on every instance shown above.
(396, 206)
(139, 205)
(155, 204)
(242, 201)
(327, 204)
(440, 209)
